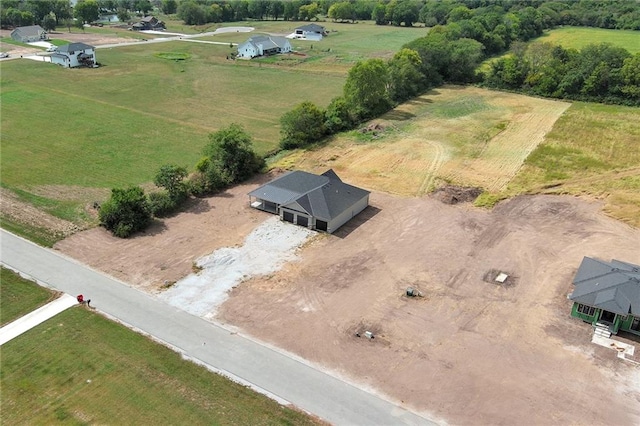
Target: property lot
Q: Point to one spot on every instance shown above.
(469, 351)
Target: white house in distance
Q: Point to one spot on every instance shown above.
(75, 55)
(310, 32)
(29, 34)
(263, 46)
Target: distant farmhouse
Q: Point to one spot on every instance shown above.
(29, 34)
(607, 294)
(263, 46)
(310, 32)
(75, 55)
(320, 202)
(149, 23)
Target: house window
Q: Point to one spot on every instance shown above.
(587, 310)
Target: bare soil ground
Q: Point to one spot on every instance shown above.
(469, 351)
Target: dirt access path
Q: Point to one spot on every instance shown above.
(468, 352)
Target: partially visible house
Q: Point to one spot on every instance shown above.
(608, 294)
(263, 46)
(149, 23)
(310, 32)
(320, 202)
(29, 34)
(75, 55)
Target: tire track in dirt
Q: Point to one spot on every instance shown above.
(438, 160)
(505, 153)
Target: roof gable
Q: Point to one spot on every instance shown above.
(29, 30)
(613, 286)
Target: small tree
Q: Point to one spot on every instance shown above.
(303, 125)
(366, 88)
(126, 212)
(86, 11)
(169, 7)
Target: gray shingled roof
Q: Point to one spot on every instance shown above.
(322, 196)
(74, 47)
(613, 286)
(314, 28)
(268, 42)
(31, 30)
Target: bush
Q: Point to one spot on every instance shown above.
(162, 204)
(126, 212)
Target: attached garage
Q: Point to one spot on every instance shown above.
(321, 202)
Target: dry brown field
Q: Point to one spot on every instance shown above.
(467, 136)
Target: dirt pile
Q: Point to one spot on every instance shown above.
(450, 194)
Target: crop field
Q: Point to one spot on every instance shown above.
(19, 296)
(81, 368)
(466, 136)
(578, 37)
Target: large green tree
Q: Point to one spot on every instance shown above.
(301, 126)
(126, 212)
(229, 157)
(405, 78)
(366, 88)
(86, 11)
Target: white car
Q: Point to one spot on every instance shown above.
(52, 48)
(4, 55)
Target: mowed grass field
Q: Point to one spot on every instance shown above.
(578, 37)
(81, 368)
(508, 144)
(18, 296)
(593, 150)
(461, 135)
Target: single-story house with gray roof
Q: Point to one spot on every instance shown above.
(310, 32)
(29, 34)
(608, 293)
(75, 55)
(263, 46)
(320, 202)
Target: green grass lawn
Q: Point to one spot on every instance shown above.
(81, 368)
(578, 37)
(19, 296)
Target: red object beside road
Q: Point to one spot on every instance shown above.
(80, 298)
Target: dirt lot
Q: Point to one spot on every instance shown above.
(469, 351)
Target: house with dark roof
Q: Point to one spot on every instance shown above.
(321, 202)
(607, 293)
(75, 55)
(263, 46)
(29, 34)
(149, 23)
(310, 32)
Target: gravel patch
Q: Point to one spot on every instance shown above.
(265, 250)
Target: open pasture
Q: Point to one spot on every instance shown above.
(466, 136)
(578, 37)
(117, 124)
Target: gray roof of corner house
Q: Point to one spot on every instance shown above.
(74, 47)
(322, 196)
(311, 28)
(613, 286)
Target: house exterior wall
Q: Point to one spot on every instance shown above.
(64, 61)
(247, 50)
(619, 323)
(343, 218)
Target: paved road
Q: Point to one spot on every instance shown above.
(280, 375)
